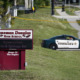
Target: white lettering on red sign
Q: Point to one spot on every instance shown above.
(12, 53)
(24, 34)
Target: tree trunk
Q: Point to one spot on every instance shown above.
(26, 4)
(15, 2)
(8, 22)
(0, 22)
(30, 4)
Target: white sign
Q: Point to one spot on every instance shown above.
(15, 12)
(67, 43)
(16, 34)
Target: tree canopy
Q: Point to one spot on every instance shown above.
(4, 16)
(38, 3)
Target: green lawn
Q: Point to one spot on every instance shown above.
(71, 10)
(78, 21)
(46, 64)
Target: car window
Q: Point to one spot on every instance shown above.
(61, 38)
(69, 38)
(74, 38)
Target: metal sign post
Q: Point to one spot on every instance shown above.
(52, 7)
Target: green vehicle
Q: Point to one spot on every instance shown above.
(61, 42)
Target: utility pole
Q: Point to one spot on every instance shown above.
(63, 5)
(52, 7)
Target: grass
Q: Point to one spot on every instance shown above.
(71, 10)
(78, 21)
(46, 64)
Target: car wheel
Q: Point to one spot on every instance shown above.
(53, 46)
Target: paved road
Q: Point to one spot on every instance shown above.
(70, 19)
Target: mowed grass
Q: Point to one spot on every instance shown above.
(71, 10)
(78, 21)
(45, 64)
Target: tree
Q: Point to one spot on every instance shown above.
(1, 12)
(5, 13)
(39, 3)
(20, 2)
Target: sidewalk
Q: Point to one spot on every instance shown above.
(77, 13)
(71, 20)
(66, 16)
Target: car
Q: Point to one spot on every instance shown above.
(61, 42)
